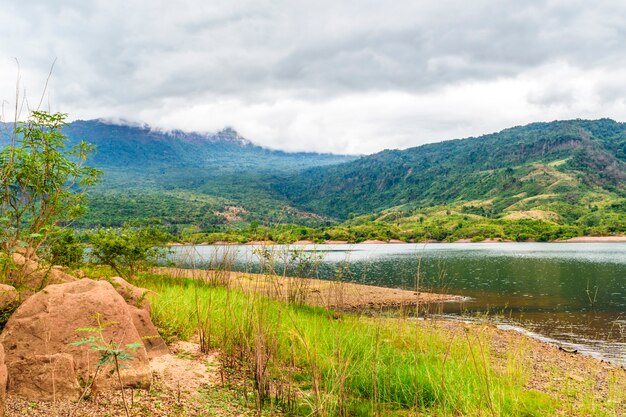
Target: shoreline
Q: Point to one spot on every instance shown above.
(353, 298)
(344, 296)
(578, 239)
(188, 381)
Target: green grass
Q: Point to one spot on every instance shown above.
(351, 365)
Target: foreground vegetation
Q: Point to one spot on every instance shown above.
(299, 360)
(351, 365)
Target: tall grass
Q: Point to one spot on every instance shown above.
(311, 361)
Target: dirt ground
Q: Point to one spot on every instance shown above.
(185, 383)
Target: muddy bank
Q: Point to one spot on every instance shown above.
(322, 293)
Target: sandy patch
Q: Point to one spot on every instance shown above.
(186, 368)
(317, 292)
(533, 215)
(590, 239)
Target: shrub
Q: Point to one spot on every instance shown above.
(42, 183)
(65, 249)
(129, 249)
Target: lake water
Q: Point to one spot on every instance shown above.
(573, 294)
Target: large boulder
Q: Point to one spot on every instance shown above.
(3, 381)
(42, 362)
(139, 308)
(31, 276)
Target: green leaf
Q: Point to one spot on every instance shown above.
(90, 329)
(134, 346)
(84, 341)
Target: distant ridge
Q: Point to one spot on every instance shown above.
(126, 145)
(554, 166)
(189, 178)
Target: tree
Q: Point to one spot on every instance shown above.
(42, 184)
(129, 249)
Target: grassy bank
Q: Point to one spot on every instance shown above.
(301, 360)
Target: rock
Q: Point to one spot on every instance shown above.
(152, 341)
(29, 252)
(8, 296)
(32, 276)
(41, 362)
(139, 309)
(45, 377)
(3, 381)
(133, 295)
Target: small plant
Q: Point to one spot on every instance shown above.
(592, 295)
(111, 354)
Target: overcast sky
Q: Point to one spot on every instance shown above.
(324, 75)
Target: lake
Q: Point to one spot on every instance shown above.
(573, 294)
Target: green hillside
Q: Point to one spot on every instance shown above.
(565, 172)
(188, 180)
(204, 182)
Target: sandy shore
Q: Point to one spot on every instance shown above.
(549, 369)
(323, 293)
(592, 239)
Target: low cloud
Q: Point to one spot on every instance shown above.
(349, 77)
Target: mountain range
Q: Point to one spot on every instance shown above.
(189, 178)
(568, 172)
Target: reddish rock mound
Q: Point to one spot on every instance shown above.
(139, 308)
(43, 365)
(30, 276)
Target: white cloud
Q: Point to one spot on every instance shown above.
(350, 76)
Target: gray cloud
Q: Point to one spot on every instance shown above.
(347, 76)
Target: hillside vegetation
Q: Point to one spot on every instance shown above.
(543, 181)
(567, 173)
(187, 179)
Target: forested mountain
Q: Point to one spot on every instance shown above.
(543, 180)
(141, 147)
(186, 178)
(554, 169)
